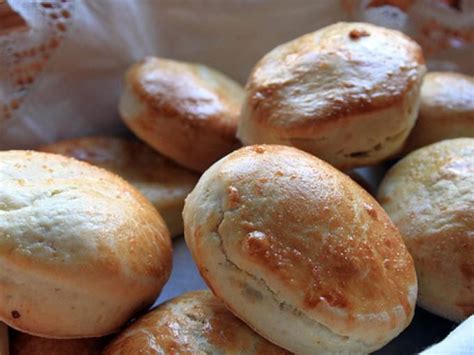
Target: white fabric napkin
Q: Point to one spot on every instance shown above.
(460, 341)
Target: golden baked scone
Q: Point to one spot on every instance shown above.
(81, 250)
(194, 323)
(26, 344)
(446, 109)
(163, 182)
(186, 111)
(348, 93)
(300, 252)
(430, 197)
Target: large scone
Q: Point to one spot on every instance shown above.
(446, 109)
(300, 252)
(194, 323)
(186, 111)
(348, 93)
(26, 344)
(163, 182)
(430, 197)
(81, 251)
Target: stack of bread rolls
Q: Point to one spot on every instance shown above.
(299, 257)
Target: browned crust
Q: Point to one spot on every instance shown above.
(385, 84)
(182, 324)
(337, 280)
(192, 119)
(313, 237)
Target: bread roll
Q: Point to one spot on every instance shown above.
(430, 196)
(348, 93)
(160, 180)
(81, 251)
(300, 252)
(194, 323)
(186, 111)
(446, 109)
(25, 344)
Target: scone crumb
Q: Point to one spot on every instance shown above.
(256, 243)
(370, 211)
(356, 34)
(234, 197)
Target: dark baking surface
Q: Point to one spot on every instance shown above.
(425, 330)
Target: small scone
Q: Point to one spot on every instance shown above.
(446, 109)
(26, 344)
(81, 250)
(300, 252)
(163, 182)
(430, 197)
(194, 323)
(348, 93)
(186, 111)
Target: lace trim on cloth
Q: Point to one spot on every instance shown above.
(29, 36)
(439, 26)
(444, 28)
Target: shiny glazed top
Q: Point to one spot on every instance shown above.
(314, 236)
(341, 70)
(194, 93)
(194, 323)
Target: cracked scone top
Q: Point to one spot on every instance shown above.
(81, 251)
(347, 93)
(193, 323)
(300, 252)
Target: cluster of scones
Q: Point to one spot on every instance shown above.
(299, 257)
